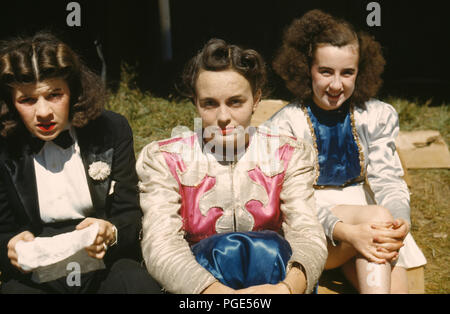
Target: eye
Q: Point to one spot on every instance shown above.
(235, 102)
(326, 72)
(348, 73)
(27, 101)
(54, 96)
(208, 103)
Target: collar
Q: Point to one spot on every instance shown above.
(64, 140)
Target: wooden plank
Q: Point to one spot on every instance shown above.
(334, 282)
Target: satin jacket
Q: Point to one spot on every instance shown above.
(188, 195)
(375, 126)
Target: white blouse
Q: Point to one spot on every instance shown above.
(63, 192)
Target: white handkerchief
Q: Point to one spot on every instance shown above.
(74, 265)
(44, 251)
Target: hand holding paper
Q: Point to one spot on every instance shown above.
(48, 257)
(47, 251)
(12, 254)
(106, 236)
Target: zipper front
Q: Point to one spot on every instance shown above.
(232, 194)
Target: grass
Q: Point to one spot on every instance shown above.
(153, 118)
(429, 189)
(421, 116)
(150, 118)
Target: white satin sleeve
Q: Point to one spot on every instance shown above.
(384, 169)
(167, 254)
(301, 227)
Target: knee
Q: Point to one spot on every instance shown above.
(128, 276)
(380, 214)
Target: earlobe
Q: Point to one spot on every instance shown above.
(257, 99)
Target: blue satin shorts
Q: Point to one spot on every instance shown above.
(243, 259)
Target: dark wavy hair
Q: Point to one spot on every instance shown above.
(217, 55)
(40, 57)
(304, 35)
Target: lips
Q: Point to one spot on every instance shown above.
(46, 127)
(334, 97)
(227, 131)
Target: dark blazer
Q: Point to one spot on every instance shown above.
(109, 139)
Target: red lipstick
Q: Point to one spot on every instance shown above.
(227, 131)
(46, 127)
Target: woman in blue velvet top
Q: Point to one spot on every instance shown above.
(362, 200)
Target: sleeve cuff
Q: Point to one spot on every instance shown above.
(116, 236)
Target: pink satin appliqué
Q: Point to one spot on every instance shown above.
(196, 225)
(269, 217)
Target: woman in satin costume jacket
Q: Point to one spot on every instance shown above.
(228, 210)
(362, 200)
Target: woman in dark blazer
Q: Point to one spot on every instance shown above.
(65, 163)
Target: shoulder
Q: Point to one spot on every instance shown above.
(110, 120)
(270, 135)
(378, 111)
(288, 112)
(110, 127)
(177, 144)
(380, 118)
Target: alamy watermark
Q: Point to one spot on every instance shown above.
(74, 17)
(374, 17)
(374, 275)
(74, 277)
(229, 146)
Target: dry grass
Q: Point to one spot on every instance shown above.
(430, 224)
(429, 189)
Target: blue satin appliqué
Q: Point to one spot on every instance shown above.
(338, 152)
(243, 259)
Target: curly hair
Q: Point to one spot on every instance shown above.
(40, 57)
(304, 35)
(217, 55)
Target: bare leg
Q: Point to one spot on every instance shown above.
(339, 254)
(373, 278)
(399, 280)
(367, 277)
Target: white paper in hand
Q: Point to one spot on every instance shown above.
(42, 252)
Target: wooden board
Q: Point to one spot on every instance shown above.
(334, 282)
(266, 108)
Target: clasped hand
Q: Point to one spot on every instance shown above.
(380, 242)
(105, 237)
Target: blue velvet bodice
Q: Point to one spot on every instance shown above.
(338, 153)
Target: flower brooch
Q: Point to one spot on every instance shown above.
(99, 170)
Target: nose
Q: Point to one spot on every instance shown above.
(43, 109)
(336, 84)
(223, 116)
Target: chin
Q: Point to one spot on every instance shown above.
(47, 137)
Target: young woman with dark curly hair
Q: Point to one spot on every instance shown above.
(362, 202)
(228, 209)
(65, 164)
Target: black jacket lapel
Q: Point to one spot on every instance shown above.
(94, 151)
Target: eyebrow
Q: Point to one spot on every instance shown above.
(57, 89)
(321, 68)
(231, 97)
